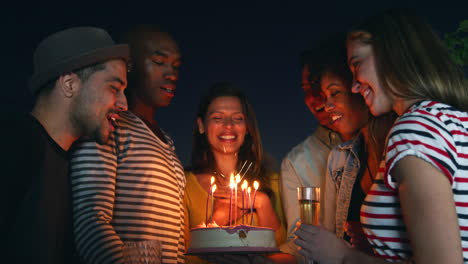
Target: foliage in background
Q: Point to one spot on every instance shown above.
(457, 43)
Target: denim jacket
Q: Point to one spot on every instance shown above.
(344, 163)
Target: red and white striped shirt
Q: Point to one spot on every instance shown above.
(436, 133)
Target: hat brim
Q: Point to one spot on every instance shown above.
(120, 51)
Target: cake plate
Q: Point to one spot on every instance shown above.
(231, 250)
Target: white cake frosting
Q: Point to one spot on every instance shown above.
(240, 236)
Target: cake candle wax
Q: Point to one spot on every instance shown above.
(250, 202)
(231, 187)
(237, 180)
(213, 189)
(210, 193)
(256, 185)
(243, 189)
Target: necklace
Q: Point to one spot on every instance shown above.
(221, 179)
(219, 173)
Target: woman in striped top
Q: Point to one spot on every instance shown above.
(417, 209)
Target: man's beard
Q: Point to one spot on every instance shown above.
(100, 136)
(91, 129)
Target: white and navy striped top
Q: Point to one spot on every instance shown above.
(130, 189)
(438, 134)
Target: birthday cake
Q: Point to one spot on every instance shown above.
(240, 238)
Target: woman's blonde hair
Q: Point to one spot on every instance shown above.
(410, 59)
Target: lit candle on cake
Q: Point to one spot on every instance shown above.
(243, 189)
(250, 202)
(256, 185)
(210, 193)
(237, 179)
(213, 189)
(231, 187)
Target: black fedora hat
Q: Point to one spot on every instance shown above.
(71, 49)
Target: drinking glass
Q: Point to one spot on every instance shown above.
(142, 252)
(309, 204)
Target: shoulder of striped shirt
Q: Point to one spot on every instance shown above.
(130, 119)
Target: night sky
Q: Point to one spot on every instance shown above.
(255, 45)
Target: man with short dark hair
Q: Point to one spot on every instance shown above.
(130, 190)
(78, 83)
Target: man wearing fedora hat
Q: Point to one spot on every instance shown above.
(131, 189)
(78, 84)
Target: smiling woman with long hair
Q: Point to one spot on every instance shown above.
(226, 137)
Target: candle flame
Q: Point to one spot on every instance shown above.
(256, 185)
(238, 178)
(244, 185)
(248, 190)
(232, 182)
(212, 180)
(213, 188)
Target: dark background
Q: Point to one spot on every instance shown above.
(256, 45)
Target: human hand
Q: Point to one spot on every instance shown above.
(282, 258)
(222, 192)
(261, 200)
(222, 206)
(320, 245)
(358, 238)
(221, 211)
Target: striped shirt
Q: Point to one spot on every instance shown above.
(130, 189)
(436, 133)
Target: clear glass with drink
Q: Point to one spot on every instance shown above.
(309, 204)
